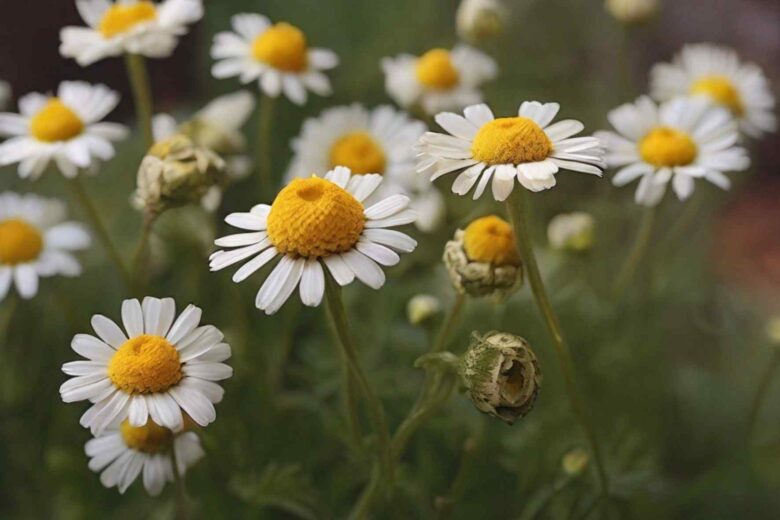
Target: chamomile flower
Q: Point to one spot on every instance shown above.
(439, 79)
(156, 370)
(277, 55)
(717, 74)
(123, 454)
(128, 26)
(527, 148)
(36, 242)
(679, 141)
(315, 223)
(369, 141)
(66, 128)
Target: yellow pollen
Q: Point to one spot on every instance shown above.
(20, 242)
(282, 46)
(665, 147)
(511, 140)
(313, 218)
(359, 152)
(721, 90)
(145, 364)
(150, 438)
(490, 240)
(55, 122)
(121, 18)
(436, 71)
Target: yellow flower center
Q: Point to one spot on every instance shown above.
(722, 91)
(145, 364)
(359, 152)
(313, 218)
(121, 18)
(149, 438)
(490, 240)
(20, 242)
(436, 71)
(282, 46)
(55, 122)
(666, 147)
(511, 140)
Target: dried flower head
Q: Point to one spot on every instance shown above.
(501, 374)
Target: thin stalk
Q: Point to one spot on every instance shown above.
(458, 485)
(448, 324)
(141, 255)
(263, 163)
(638, 250)
(142, 94)
(77, 187)
(516, 208)
(374, 407)
(182, 509)
(8, 319)
(763, 386)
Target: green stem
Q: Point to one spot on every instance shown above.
(140, 257)
(263, 162)
(77, 187)
(374, 407)
(448, 324)
(516, 208)
(638, 250)
(761, 391)
(142, 94)
(447, 503)
(8, 318)
(182, 509)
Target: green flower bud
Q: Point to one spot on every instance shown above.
(421, 308)
(479, 20)
(501, 374)
(575, 462)
(632, 11)
(571, 232)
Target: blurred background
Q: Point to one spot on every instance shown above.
(669, 374)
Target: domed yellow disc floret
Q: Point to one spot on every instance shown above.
(55, 122)
(490, 240)
(313, 218)
(20, 242)
(722, 91)
(282, 46)
(120, 18)
(150, 438)
(435, 70)
(145, 364)
(359, 152)
(666, 147)
(511, 140)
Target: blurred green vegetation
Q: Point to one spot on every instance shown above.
(668, 372)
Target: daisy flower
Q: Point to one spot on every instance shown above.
(527, 148)
(35, 242)
(124, 453)
(312, 223)
(439, 79)
(717, 74)
(65, 128)
(679, 141)
(156, 370)
(369, 141)
(128, 26)
(276, 55)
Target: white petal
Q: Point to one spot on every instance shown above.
(312, 285)
(366, 270)
(132, 317)
(108, 331)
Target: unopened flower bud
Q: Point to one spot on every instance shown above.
(421, 308)
(482, 260)
(501, 374)
(575, 462)
(479, 20)
(773, 331)
(632, 11)
(571, 232)
(176, 172)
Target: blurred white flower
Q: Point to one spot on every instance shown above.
(35, 242)
(439, 79)
(128, 26)
(571, 232)
(369, 141)
(65, 128)
(632, 11)
(421, 308)
(679, 141)
(478, 20)
(716, 73)
(527, 148)
(277, 56)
